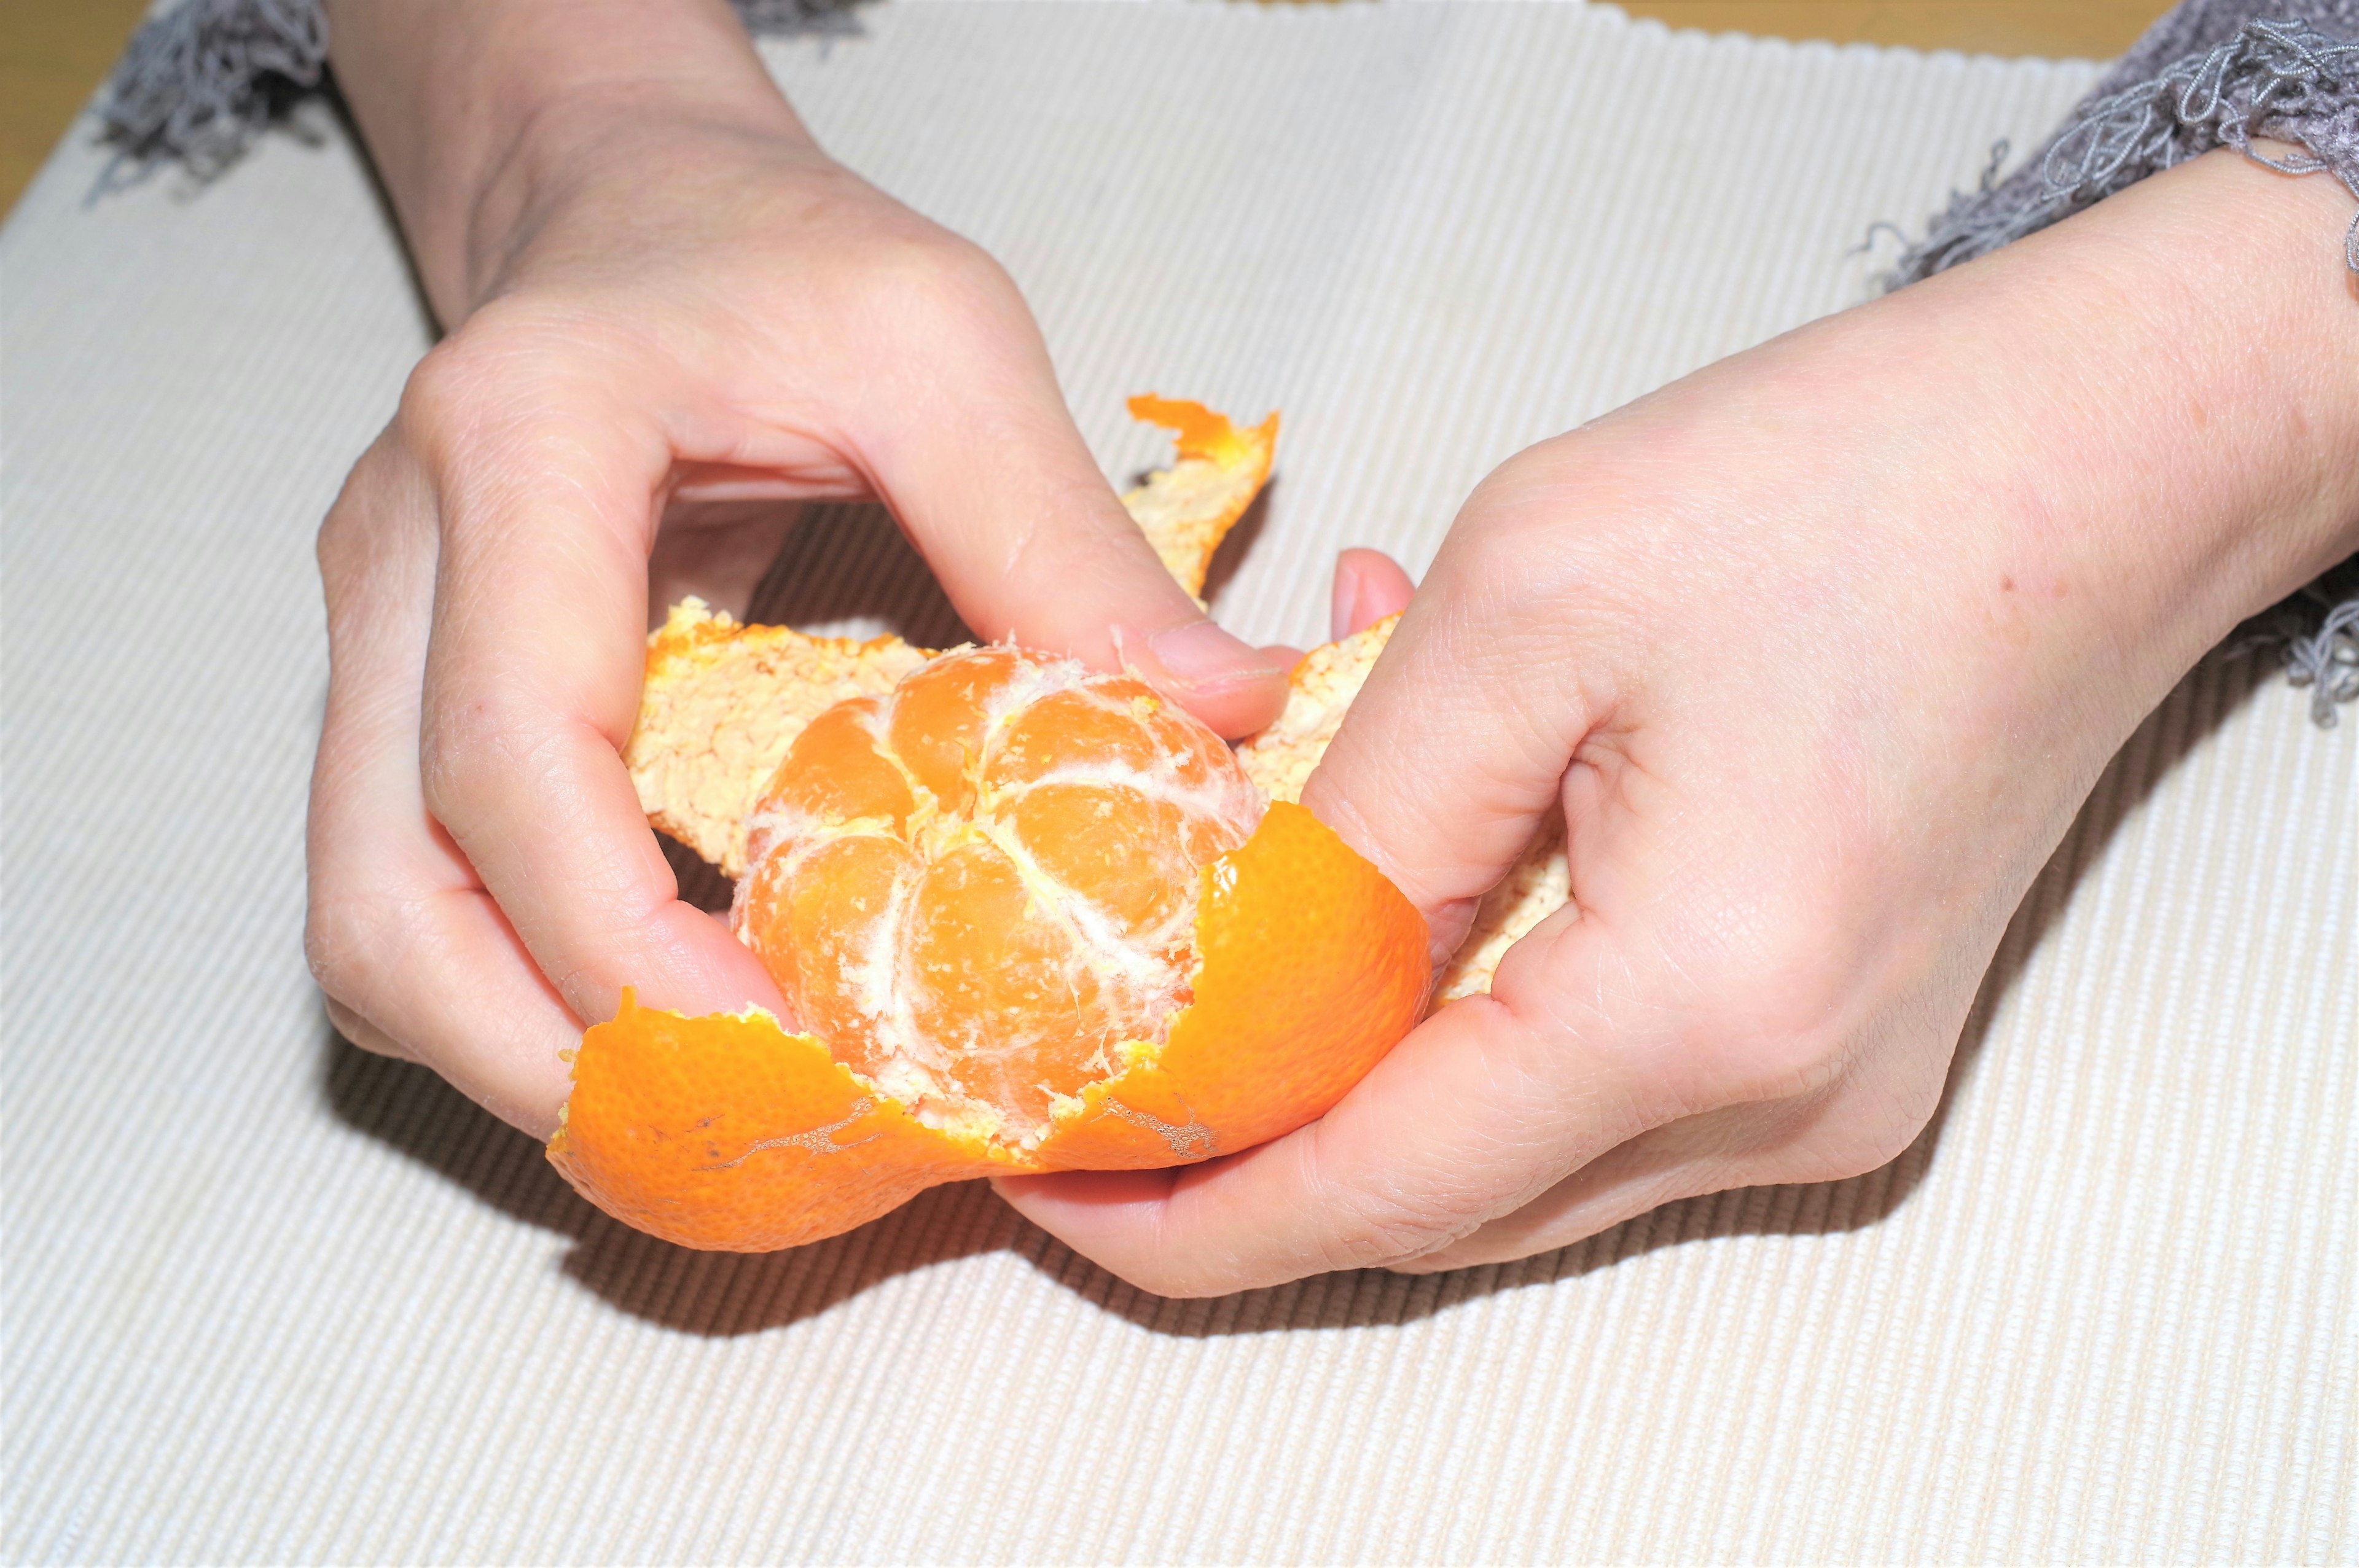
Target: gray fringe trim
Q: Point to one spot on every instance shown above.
(200, 81)
(2280, 79)
(2283, 80)
(2315, 634)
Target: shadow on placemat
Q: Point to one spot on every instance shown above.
(846, 569)
(714, 1294)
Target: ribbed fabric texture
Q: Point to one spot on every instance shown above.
(268, 1299)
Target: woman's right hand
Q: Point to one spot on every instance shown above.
(661, 291)
(1813, 654)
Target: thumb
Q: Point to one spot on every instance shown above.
(1456, 750)
(1001, 495)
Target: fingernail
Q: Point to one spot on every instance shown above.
(1200, 657)
(1345, 601)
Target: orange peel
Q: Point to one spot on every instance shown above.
(733, 1131)
(728, 1131)
(722, 701)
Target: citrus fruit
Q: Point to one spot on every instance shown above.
(977, 888)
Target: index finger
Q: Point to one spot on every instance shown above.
(548, 495)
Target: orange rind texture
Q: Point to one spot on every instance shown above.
(726, 1132)
(730, 1131)
(1318, 692)
(722, 704)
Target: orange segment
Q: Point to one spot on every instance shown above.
(842, 900)
(1313, 965)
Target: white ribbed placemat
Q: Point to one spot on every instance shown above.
(266, 1299)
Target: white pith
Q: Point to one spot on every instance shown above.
(1134, 968)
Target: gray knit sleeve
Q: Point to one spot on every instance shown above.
(2211, 73)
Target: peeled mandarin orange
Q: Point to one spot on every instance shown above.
(1025, 917)
(978, 888)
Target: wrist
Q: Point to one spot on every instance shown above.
(2020, 499)
(484, 119)
(2085, 457)
(2178, 425)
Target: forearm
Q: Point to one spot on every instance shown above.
(2163, 402)
(475, 113)
(2092, 452)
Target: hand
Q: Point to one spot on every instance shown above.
(1818, 652)
(664, 297)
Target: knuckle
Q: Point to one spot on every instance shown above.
(1381, 1230)
(340, 550)
(440, 387)
(343, 936)
(1781, 1020)
(1773, 1059)
(1889, 1125)
(1850, 1139)
(350, 542)
(1873, 1145)
(937, 285)
(470, 740)
(1502, 552)
(496, 365)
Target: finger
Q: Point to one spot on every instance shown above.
(1856, 1123)
(1688, 1158)
(415, 961)
(1455, 1128)
(1369, 586)
(979, 458)
(547, 478)
(360, 1031)
(1457, 748)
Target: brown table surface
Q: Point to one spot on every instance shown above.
(53, 52)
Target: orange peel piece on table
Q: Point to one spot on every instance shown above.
(729, 1131)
